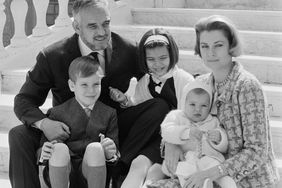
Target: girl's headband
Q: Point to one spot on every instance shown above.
(156, 38)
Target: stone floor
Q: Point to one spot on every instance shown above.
(4, 180)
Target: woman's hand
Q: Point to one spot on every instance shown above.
(173, 154)
(214, 136)
(201, 178)
(197, 180)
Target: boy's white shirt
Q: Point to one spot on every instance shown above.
(83, 107)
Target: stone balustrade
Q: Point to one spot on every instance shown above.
(19, 9)
(120, 10)
(29, 16)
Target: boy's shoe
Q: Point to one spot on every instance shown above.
(208, 184)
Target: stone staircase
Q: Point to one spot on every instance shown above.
(261, 32)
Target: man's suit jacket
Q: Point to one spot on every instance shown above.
(84, 130)
(51, 72)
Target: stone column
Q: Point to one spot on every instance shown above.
(19, 11)
(158, 4)
(41, 27)
(63, 18)
(3, 52)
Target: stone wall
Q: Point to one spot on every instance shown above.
(235, 4)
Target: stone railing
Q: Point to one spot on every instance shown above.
(120, 11)
(20, 42)
(19, 10)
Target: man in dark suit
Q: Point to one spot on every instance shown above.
(118, 59)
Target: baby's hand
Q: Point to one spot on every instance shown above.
(214, 136)
(109, 147)
(117, 95)
(47, 150)
(196, 133)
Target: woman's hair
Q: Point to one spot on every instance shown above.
(83, 67)
(217, 22)
(156, 38)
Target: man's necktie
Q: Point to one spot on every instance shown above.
(95, 56)
(87, 111)
(102, 62)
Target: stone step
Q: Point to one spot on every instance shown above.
(255, 42)
(221, 4)
(4, 160)
(274, 96)
(4, 180)
(12, 84)
(243, 19)
(8, 118)
(266, 69)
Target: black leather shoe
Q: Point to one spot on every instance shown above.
(46, 176)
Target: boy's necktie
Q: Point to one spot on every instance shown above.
(87, 111)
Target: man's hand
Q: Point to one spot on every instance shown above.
(55, 130)
(117, 95)
(173, 154)
(109, 147)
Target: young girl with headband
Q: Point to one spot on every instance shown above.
(158, 56)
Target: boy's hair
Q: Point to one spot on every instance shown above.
(221, 23)
(167, 41)
(82, 67)
(81, 4)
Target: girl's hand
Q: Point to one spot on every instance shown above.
(173, 154)
(214, 136)
(47, 150)
(117, 95)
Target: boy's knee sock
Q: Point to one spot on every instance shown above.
(96, 176)
(59, 176)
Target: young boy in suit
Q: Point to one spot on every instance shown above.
(92, 126)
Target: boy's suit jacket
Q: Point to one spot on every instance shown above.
(84, 130)
(51, 72)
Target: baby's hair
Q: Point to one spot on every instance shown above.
(199, 91)
(83, 67)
